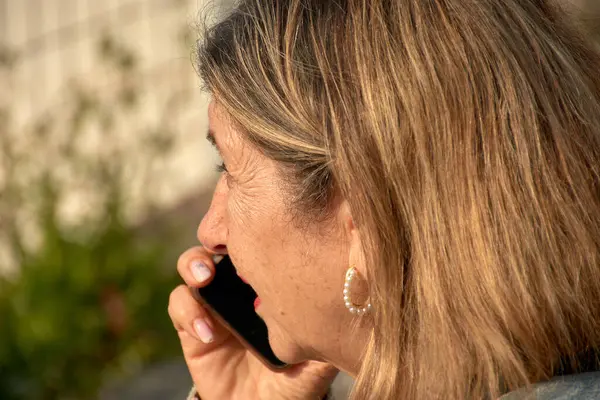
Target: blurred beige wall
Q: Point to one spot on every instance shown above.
(55, 43)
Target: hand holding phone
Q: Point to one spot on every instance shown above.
(226, 367)
(232, 301)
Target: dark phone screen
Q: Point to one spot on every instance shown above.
(233, 300)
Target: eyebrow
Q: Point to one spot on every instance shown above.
(210, 136)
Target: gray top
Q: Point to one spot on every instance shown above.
(569, 387)
(585, 386)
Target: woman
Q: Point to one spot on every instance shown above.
(446, 151)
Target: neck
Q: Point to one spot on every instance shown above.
(347, 352)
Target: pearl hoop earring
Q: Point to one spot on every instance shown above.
(353, 308)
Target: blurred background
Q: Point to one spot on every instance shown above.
(104, 176)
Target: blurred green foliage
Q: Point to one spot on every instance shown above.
(88, 298)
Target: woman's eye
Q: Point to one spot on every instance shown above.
(221, 168)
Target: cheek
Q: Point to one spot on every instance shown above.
(254, 234)
(250, 221)
(265, 248)
(276, 257)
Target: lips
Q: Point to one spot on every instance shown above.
(257, 300)
(243, 280)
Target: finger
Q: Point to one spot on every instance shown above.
(196, 267)
(191, 320)
(205, 360)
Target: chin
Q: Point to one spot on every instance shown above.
(284, 348)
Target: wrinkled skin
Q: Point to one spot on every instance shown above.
(297, 269)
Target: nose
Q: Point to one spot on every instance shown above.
(213, 230)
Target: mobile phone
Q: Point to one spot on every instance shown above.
(231, 301)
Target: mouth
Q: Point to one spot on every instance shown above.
(257, 300)
(242, 278)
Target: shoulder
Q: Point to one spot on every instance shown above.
(578, 386)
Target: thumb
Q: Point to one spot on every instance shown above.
(311, 374)
(321, 370)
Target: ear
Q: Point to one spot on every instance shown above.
(356, 256)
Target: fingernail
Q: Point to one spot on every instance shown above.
(203, 331)
(200, 271)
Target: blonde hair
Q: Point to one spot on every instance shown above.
(465, 135)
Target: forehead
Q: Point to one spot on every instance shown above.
(220, 128)
(228, 139)
(216, 119)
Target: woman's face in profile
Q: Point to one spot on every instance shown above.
(297, 269)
